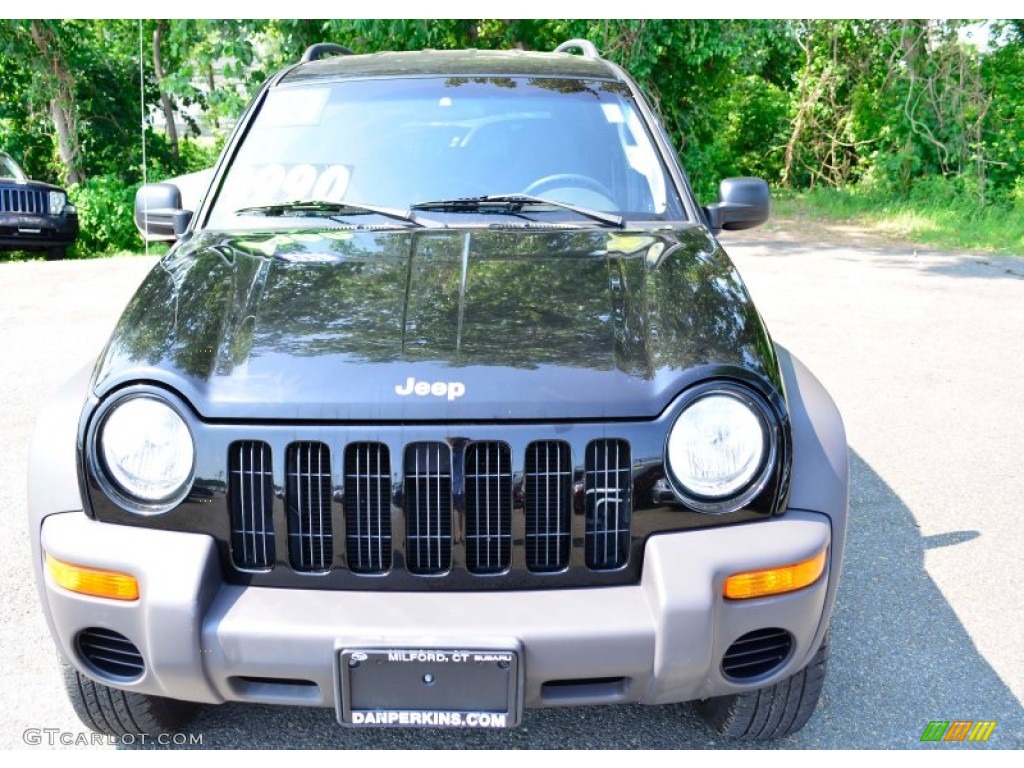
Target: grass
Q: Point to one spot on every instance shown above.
(950, 223)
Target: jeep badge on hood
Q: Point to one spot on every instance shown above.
(452, 389)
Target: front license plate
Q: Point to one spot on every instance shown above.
(429, 688)
(30, 224)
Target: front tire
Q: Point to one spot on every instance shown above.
(121, 713)
(772, 712)
(56, 253)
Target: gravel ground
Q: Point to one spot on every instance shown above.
(922, 352)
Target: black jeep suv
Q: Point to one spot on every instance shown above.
(34, 216)
(446, 404)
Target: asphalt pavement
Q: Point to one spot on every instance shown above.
(924, 354)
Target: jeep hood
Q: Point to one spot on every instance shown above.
(439, 325)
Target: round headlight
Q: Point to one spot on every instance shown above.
(147, 449)
(718, 447)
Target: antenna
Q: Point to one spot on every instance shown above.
(142, 115)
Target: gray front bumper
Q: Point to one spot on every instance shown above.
(205, 640)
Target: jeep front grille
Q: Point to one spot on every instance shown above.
(428, 507)
(460, 509)
(14, 200)
(607, 490)
(251, 500)
(548, 486)
(488, 476)
(367, 492)
(310, 540)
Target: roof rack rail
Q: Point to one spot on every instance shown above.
(317, 51)
(588, 48)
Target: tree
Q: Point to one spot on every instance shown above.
(165, 98)
(40, 48)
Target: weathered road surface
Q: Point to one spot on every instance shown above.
(924, 354)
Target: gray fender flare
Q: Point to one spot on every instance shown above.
(820, 480)
(53, 466)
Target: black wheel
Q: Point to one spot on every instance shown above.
(56, 253)
(120, 713)
(772, 712)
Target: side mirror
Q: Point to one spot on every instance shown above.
(743, 203)
(158, 212)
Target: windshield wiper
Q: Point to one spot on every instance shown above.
(514, 204)
(330, 210)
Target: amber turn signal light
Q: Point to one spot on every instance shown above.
(775, 581)
(93, 581)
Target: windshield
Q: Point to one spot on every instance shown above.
(400, 142)
(9, 169)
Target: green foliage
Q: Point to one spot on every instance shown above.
(900, 109)
(193, 155)
(751, 123)
(32, 149)
(211, 64)
(105, 215)
(1003, 72)
(941, 213)
(106, 202)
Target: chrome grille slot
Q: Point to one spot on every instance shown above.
(488, 475)
(428, 507)
(251, 501)
(368, 507)
(607, 493)
(548, 500)
(473, 511)
(308, 499)
(14, 200)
